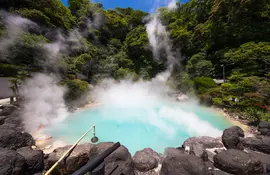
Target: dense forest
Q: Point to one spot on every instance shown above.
(85, 43)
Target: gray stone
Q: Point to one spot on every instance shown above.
(176, 163)
(146, 160)
(75, 160)
(257, 143)
(6, 110)
(198, 145)
(33, 158)
(120, 157)
(11, 163)
(264, 128)
(14, 139)
(238, 162)
(231, 138)
(206, 141)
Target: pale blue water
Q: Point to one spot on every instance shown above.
(166, 124)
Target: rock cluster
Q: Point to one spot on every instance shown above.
(233, 153)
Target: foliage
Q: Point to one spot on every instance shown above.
(27, 50)
(11, 70)
(76, 88)
(204, 83)
(198, 66)
(250, 58)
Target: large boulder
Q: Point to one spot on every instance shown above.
(231, 138)
(11, 163)
(257, 143)
(75, 160)
(176, 162)
(198, 145)
(33, 158)
(14, 139)
(206, 141)
(264, 128)
(146, 160)
(2, 119)
(120, 157)
(6, 110)
(238, 162)
(14, 121)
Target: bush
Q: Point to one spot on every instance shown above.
(76, 88)
(9, 70)
(204, 83)
(217, 101)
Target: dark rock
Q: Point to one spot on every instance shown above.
(176, 163)
(264, 158)
(11, 163)
(14, 121)
(2, 119)
(264, 124)
(14, 139)
(238, 162)
(268, 168)
(257, 143)
(264, 128)
(7, 110)
(120, 157)
(206, 141)
(197, 145)
(33, 158)
(219, 150)
(146, 160)
(75, 161)
(231, 138)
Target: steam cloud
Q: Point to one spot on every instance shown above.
(44, 104)
(162, 111)
(15, 26)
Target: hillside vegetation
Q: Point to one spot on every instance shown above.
(97, 43)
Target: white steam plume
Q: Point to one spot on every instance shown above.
(15, 26)
(158, 37)
(172, 5)
(43, 102)
(160, 110)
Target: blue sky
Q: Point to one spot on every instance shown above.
(145, 5)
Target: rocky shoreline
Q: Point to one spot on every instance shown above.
(233, 153)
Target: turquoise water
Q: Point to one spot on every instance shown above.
(158, 126)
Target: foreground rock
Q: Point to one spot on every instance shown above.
(120, 157)
(231, 138)
(198, 145)
(146, 160)
(6, 110)
(257, 143)
(2, 119)
(14, 139)
(75, 161)
(14, 121)
(11, 163)
(238, 162)
(33, 158)
(176, 162)
(264, 128)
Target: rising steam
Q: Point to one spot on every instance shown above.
(15, 26)
(43, 102)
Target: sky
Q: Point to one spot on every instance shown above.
(144, 5)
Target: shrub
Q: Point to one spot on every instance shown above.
(9, 70)
(76, 88)
(217, 101)
(204, 83)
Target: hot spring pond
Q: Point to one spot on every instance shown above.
(158, 126)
